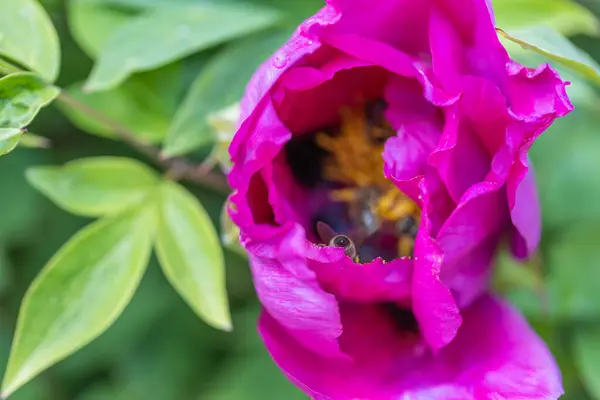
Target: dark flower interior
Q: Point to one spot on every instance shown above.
(362, 211)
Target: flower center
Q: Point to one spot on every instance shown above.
(354, 164)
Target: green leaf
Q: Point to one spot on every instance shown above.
(150, 4)
(253, 373)
(586, 348)
(219, 85)
(22, 95)
(189, 252)
(27, 207)
(101, 391)
(130, 330)
(144, 104)
(521, 282)
(252, 366)
(567, 165)
(173, 32)
(79, 293)
(28, 37)
(294, 11)
(9, 138)
(551, 44)
(6, 278)
(566, 16)
(95, 186)
(511, 273)
(573, 262)
(89, 21)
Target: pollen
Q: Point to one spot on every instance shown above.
(356, 159)
(356, 164)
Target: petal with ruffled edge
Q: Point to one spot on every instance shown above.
(537, 97)
(376, 281)
(305, 41)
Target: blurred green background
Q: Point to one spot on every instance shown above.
(159, 349)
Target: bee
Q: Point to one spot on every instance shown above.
(334, 239)
(374, 209)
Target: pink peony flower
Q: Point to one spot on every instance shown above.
(381, 159)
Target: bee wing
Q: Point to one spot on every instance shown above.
(325, 232)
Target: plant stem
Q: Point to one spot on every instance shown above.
(177, 168)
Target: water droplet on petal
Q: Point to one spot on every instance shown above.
(280, 62)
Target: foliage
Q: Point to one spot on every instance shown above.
(158, 82)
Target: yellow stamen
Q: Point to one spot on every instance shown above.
(394, 205)
(356, 157)
(344, 195)
(356, 162)
(405, 246)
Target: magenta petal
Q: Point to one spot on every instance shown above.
(468, 276)
(526, 218)
(506, 357)
(461, 160)
(535, 93)
(290, 292)
(447, 51)
(251, 150)
(495, 355)
(309, 98)
(302, 43)
(490, 8)
(464, 43)
(373, 282)
(418, 126)
(475, 131)
(320, 377)
(399, 23)
(472, 37)
(391, 59)
(433, 304)
(465, 230)
(537, 97)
